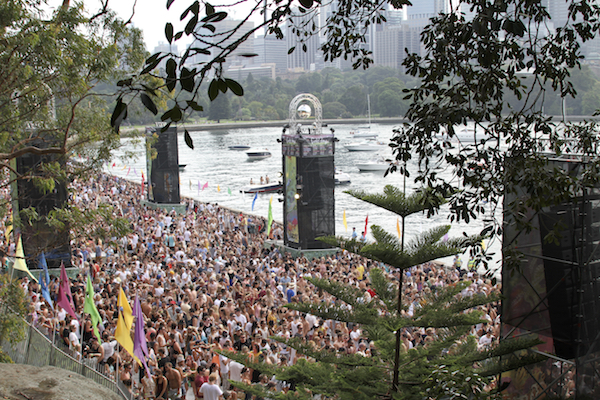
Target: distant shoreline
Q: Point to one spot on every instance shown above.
(326, 122)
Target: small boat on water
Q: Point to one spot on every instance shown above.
(264, 188)
(256, 155)
(367, 145)
(341, 178)
(239, 147)
(363, 135)
(377, 164)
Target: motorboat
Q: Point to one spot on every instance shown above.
(264, 188)
(363, 134)
(256, 155)
(367, 145)
(239, 147)
(377, 164)
(341, 178)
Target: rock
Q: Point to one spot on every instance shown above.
(26, 382)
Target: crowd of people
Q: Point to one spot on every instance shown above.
(206, 282)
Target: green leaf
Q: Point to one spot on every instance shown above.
(169, 32)
(195, 106)
(174, 114)
(235, 87)
(188, 140)
(191, 25)
(171, 80)
(194, 8)
(125, 82)
(169, 2)
(213, 89)
(148, 103)
(187, 80)
(209, 27)
(151, 65)
(118, 115)
(222, 85)
(291, 50)
(247, 55)
(209, 9)
(216, 17)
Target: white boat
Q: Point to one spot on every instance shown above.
(341, 178)
(265, 188)
(377, 164)
(239, 147)
(367, 145)
(256, 155)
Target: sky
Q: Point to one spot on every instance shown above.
(151, 16)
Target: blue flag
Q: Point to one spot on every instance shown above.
(46, 281)
(254, 200)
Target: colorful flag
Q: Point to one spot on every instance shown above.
(140, 348)
(20, 263)
(366, 224)
(128, 170)
(482, 245)
(345, 221)
(198, 188)
(143, 182)
(445, 238)
(205, 185)
(398, 228)
(9, 228)
(270, 216)
(229, 191)
(123, 336)
(125, 308)
(124, 322)
(65, 298)
(114, 164)
(254, 200)
(90, 308)
(218, 188)
(190, 184)
(45, 279)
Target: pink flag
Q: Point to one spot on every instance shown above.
(198, 187)
(140, 348)
(65, 298)
(205, 185)
(366, 224)
(128, 171)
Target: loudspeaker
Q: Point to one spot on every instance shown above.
(39, 237)
(309, 182)
(163, 167)
(572, 271)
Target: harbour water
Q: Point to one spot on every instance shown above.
(215, 174)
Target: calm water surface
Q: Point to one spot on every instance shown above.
(228, 171)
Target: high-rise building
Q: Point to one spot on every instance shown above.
(226, 33)
(165, 48)
(391, 42)
(300, 59)
(271, 50)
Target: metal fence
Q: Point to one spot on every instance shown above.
(37, 350)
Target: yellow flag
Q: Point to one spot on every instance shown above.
(398, 227)
(9, 228)
(20, 263)
(123, 337)
(345, 222)
(125, 308)
(482, 245)
(218, 188)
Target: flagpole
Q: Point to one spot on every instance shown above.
(82, 323)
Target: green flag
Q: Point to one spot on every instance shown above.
(229, 191)
(90, 308)
(270, 219)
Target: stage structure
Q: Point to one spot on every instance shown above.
(551, 291)
(38, 236)
(162, 164)
(308, 169)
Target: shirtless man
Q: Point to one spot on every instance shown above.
(174, 378)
